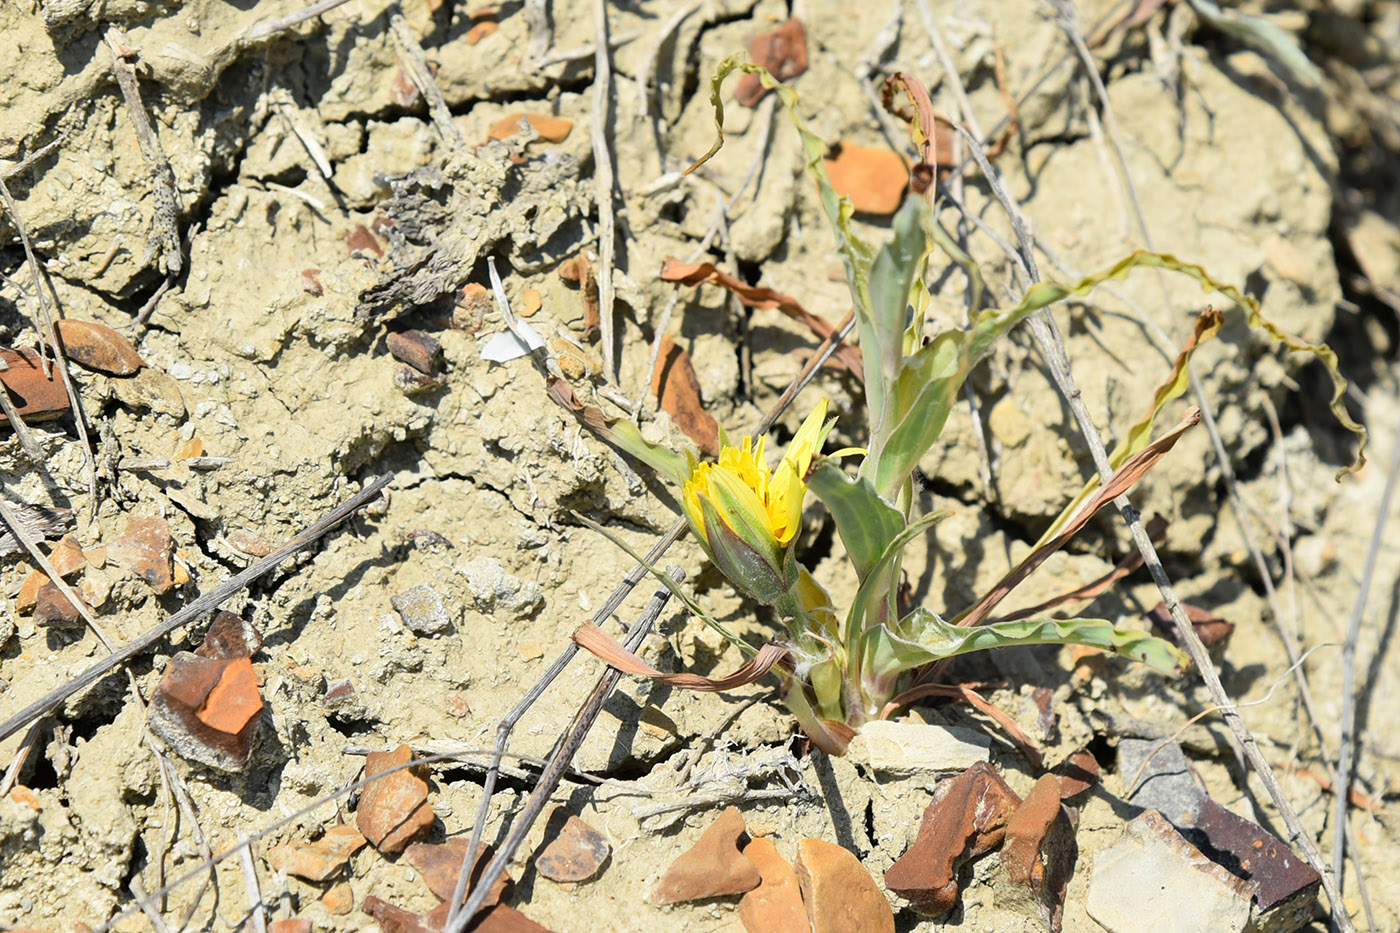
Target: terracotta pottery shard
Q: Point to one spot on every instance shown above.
(144, 549)
(775, 906)
(678, 390)
(361, 242)
(441, 864)
(472, 304)
(967, 817)
(480, 31)
(1040, 850)
(208, 710)
(54, 610)
(29, 590)
(874, 179)
(575, 851)
(839, 892)
(783, 51)
(291, 925)
(1078, 774)
(550, 129)
(230, 637)
(97, 346)
(415, 348)
(394, 810)
(393, 919)
(35, 393)
(713, 867)
(319, 860)
(67, 557)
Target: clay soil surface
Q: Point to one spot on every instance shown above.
(308, 205)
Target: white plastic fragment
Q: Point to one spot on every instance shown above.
(520, 339)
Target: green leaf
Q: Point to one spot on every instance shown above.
(856, 255)
(623, 434)
(892, 551)
(932, 377)
(879, 584)
(1261, 34)
(923, 638)
(891, 280)
(867, 523)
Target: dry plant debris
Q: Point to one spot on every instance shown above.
(263, 132)
(677, 390)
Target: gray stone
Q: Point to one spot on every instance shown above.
(494, 589)
(1153, 880)
(1164, 783)
(422, 610)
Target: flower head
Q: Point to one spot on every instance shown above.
(746, 515)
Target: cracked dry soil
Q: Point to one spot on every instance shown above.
(270, 348)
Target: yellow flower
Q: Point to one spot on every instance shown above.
(746, 516)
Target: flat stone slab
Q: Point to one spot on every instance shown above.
(1153, 881)
(911, 747)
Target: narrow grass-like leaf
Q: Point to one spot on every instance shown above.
(607, 649)
(891, 280)
(622, 434)
(1207, 326)
(1263, 35)
(936, 373)
(856, 255)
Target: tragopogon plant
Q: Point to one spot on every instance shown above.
(842, 665)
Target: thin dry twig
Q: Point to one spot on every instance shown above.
(260, 31)
(11, 170)
(1363, 590)
(250, 880)
(211, 862)
(614, 600)
(722, 209)
(1052, 346)
(165, 242)
(603, 189)
(416, 62)
(549, 779)
(26, 748)
(52, 338)
(194, 610)
(17, 529)
(654, 46)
